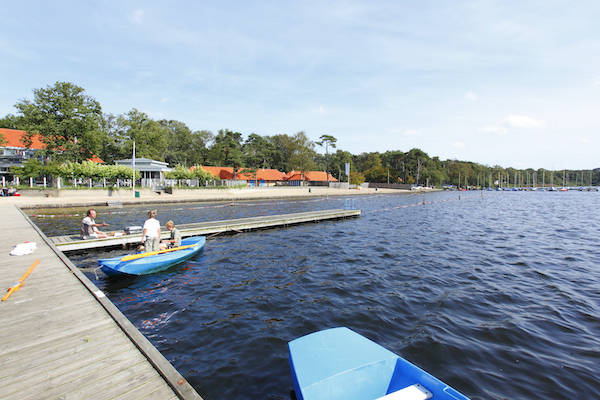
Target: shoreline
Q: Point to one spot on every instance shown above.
(78, 198)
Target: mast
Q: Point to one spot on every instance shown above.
(133, 171)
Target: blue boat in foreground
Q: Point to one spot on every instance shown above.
(152, 263)
(338, 363)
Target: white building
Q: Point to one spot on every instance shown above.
(152, 171)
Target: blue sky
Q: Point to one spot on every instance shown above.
(496, 82)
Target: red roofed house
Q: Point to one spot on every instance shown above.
(310, 176)
(222, 173)
(264, 176)
(13, 153)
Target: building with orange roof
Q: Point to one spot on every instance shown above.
(262, 175)
(265, 176)
(221, 173)
(14, 152)
(309, 176)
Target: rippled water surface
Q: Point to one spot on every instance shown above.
(495, 293)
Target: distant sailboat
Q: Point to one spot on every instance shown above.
(564, 187)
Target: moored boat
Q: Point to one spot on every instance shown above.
(338, 363)
(147, 263)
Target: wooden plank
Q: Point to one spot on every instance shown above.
(176, 382)
(40, 354)
(131, 377)
(146, 390)
(60, 335)
(91, 374)
(17, 383)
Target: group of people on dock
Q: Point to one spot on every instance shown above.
(5, 192)
(150, 232)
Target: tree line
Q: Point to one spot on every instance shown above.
(74, 129)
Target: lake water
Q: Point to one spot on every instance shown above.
(495, 293)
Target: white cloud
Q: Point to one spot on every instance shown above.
(522, 121)
(471, 96)
(585, 140)
(597, 82)
(497, 129)
(137, 16)
(458, 145)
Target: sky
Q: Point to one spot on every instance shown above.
(515, 84)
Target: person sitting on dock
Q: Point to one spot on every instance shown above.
(89, 227)
(174, 240)
(151, 235)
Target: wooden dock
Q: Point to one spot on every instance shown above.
(63, 339)
(68, 243)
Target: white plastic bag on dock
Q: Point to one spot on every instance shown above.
(23, 248)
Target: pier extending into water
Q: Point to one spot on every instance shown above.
(68, 243)
(63, 339)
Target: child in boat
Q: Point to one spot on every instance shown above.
(174, 240)
(151, 233)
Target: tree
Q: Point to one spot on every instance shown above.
(227, 149)
(376, 174)
(150, 137)
(179, 143)
(303, 153)
(9, 122)
(338, 162)
(356, 178)
(327, 140)
(257, 151)
(112, 144)
(283, 148)
(199, 150)
(66, 119)
(31, 168)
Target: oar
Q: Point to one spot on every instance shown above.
(19, 283)
(153, 253)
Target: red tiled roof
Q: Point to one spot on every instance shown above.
(96, 159)
(261, 175)
(315, 176)
(242, 174)
(14, 139)
(219, 172)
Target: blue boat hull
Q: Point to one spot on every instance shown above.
(151, 264)
(340, 364)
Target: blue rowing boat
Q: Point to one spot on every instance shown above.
(153, 263)
(338, 363)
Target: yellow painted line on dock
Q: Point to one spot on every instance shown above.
(63, 338)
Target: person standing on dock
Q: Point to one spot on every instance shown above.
(151, 235)
(174, 240)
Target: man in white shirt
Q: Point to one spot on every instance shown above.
(151, 235)
(89, 227)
